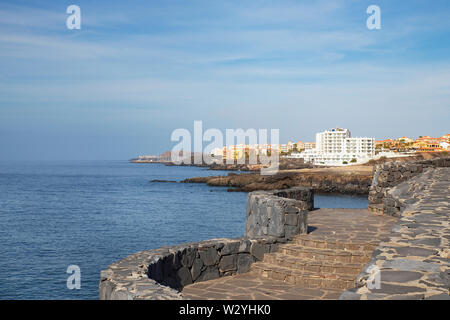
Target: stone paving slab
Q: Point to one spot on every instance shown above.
(249, 286)
(348, 225)
(357, 226)
(414, 261)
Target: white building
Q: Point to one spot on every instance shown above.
(337, 147)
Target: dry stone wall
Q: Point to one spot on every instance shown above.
(414, 262)
(389, 175)
(279, 213)
(162, 273)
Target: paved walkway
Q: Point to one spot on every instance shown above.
(414, 261)
(319, 265)
(251, 286)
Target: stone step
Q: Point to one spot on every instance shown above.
(313, 266)
(308, 241)
(376, 208)
(317, 254)
(305, 279)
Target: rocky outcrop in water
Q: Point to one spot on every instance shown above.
(331, 182)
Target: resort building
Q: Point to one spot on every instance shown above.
(285, 148)
(430, 147)
(241, 151)
(300, 145)
(337, 147)
(446, 138)
(384, 145)
(445, 145)
(405, 140)
(309, 145)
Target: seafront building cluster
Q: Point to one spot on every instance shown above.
(421, 144)
(334, 147)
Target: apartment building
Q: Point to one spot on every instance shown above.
(309, 145)
(337, 147)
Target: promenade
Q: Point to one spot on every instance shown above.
(414, 262)
(406, 243)
(319, 265)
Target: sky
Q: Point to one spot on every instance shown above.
(137, 70)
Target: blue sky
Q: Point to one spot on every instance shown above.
(137, 70)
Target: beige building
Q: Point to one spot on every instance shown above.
(309, 145)
(300, 145)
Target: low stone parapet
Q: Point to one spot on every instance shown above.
(414, 262)
(161, 273)
(390, 174)
(279, 213)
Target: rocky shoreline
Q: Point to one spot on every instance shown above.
(321, 180)
(284, 164)
(353, 179)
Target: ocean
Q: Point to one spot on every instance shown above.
(54, 214)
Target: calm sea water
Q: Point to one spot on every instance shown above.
(92, 213)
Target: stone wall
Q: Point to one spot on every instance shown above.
(278, 213)
(162, 273)
(391, 174)
(414, 262)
